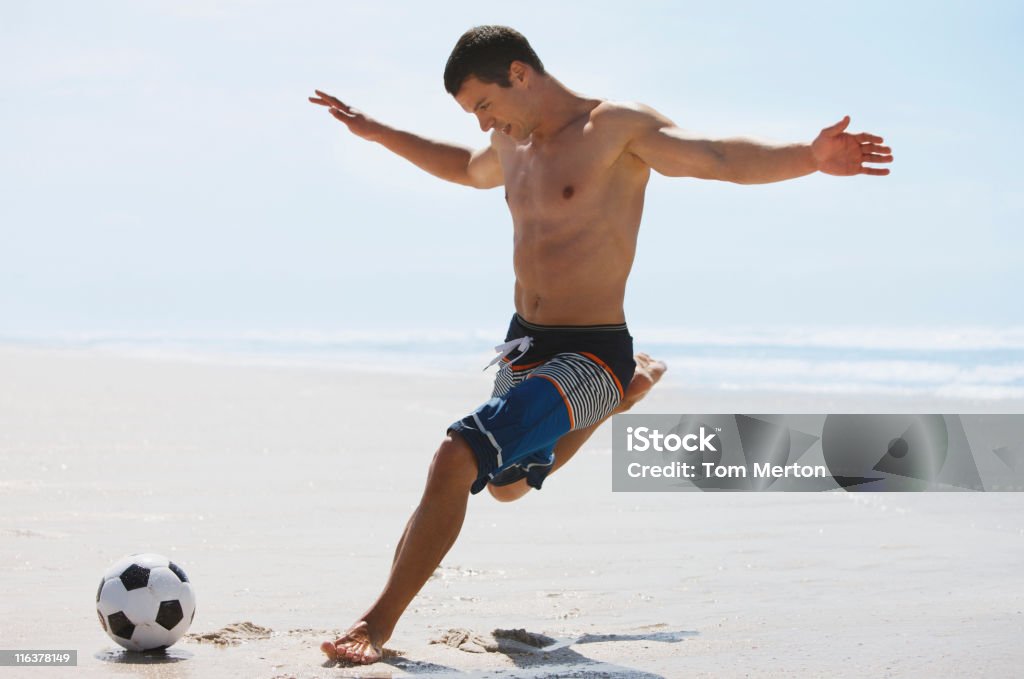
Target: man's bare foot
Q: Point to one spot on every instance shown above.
(354, 646)
(648, 372)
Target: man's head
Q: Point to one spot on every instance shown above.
(486, 53)
(490, 73)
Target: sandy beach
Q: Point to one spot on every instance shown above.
(282, 491)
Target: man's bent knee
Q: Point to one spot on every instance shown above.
(454, 461)
(512, 491)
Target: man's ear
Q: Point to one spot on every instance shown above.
(518, 72)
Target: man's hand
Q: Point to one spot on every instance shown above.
(357, 122)
(843, 154)
(450, 162)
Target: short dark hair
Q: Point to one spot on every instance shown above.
(486, 52)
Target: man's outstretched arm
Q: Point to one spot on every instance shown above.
(669, 151)
(480, 169)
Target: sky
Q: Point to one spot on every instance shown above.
(162, 170)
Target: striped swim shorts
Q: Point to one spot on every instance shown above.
(551, 380)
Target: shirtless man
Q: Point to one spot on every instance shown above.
(574, 170)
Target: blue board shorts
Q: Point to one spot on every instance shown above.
(551, 380)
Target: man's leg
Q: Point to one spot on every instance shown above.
(648, 372)
(429, 535)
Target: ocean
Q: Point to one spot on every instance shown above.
(983, 363)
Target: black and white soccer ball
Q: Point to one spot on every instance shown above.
(145, 602)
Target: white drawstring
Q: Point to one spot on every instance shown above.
(521, 344)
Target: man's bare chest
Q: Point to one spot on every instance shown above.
(560, 180)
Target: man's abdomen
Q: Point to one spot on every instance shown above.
(579, 280)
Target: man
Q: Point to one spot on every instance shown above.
(574, 169)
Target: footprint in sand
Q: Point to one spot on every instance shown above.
(500, 640)
(232, 635)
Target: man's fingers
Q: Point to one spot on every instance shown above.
(332, 101)
(340, 115)
(875, 153)
(865, 137)
(875, 171)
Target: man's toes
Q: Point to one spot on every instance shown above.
(339, 650)
(360, 653)
(652, 368)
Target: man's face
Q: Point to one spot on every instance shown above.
(496, 107)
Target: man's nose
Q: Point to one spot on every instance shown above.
(486, 123)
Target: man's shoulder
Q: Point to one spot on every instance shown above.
(629, 116)
(501, 142)
(616, 125)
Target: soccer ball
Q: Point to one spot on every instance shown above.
(145, 602)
